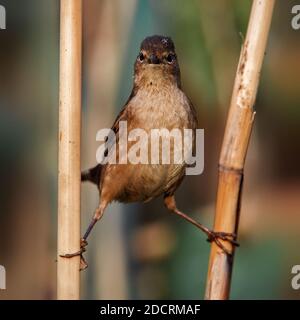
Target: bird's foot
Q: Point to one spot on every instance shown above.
(214, 236)
(83, 263)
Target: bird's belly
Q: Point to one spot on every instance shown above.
(146, 181)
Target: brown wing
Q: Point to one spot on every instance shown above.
(94, 174)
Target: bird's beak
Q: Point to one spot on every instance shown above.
(153, 59)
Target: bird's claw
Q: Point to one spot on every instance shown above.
(83, 263)
(214, 236)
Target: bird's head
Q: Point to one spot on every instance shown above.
(157, 62)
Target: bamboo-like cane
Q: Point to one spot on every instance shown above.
(68, 280)
(235, 144)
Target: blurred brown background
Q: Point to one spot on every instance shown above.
(141, 251)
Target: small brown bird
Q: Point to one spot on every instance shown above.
(156, 101)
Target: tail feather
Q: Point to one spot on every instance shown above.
(93, 175)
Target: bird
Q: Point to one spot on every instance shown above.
(157, 100)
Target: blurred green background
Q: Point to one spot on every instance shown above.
(141, 251)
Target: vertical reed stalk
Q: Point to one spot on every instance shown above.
(235, 145)
(68, 280)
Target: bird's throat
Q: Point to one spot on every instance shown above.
(154, 78)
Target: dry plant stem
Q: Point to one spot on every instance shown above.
(235, 144)
(69, 149)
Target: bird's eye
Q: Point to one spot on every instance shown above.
(170, 58)
(141, 57)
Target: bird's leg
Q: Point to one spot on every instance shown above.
(212, 235)
(83, 241)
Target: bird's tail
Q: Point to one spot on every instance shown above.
(93, 175)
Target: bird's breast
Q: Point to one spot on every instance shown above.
(160, 107)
